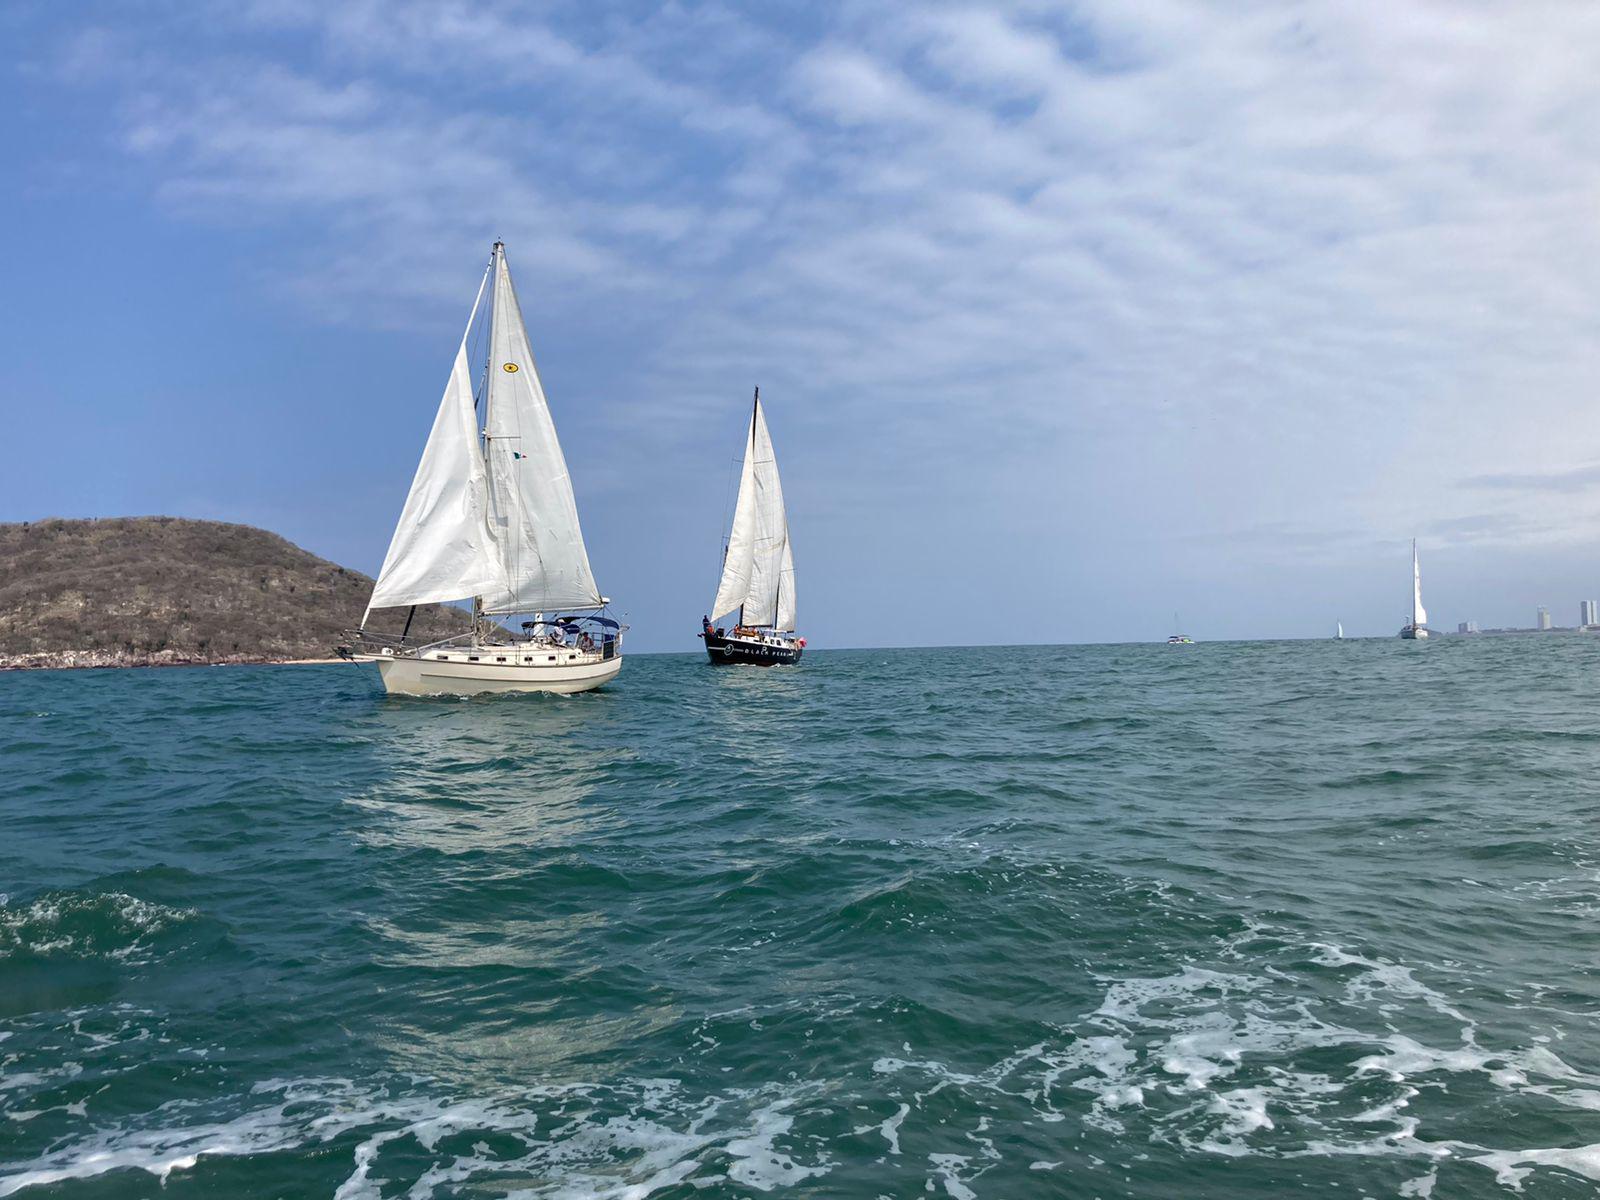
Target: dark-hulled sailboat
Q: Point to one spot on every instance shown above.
(757, 566)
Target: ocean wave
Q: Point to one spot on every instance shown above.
(626, 1140)
(70, 925)
(1267, 1063)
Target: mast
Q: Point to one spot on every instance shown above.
(749, 449)
(777, 581)
(1416, 582)
(488, 392)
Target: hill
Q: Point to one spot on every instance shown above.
(138, 591)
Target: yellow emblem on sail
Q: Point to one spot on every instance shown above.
(511, 368)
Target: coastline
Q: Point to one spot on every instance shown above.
(58, 663)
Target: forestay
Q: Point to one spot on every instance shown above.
(758, 571)
(442, 548)
(532, 512)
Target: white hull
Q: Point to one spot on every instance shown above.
(455, 675)
(1412, 634)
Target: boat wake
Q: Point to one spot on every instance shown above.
(1271, 1053)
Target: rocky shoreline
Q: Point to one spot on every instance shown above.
(77, 660)
(172, 592)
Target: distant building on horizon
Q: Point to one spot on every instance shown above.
(1544, 618)
(1588, 613)
(1467, 627)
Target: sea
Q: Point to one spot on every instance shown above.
(1222, 920)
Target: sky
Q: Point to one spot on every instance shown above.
(1068, 317)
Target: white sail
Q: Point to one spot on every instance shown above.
(1419, 615)
(786, 605)
(758, 571)
(531, 507)
(442, 548)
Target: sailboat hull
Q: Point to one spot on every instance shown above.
(432, 677)
(734, 652)
(1414, 633)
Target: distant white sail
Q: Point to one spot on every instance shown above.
(531, 507)
(442, 548)
(758, 572)
(1419, 615)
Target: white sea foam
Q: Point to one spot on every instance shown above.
(654, 1137)
(1395, 980)
(1422, 1186)
(1208, 1062)
(947, 1169)
(890, 1128)
(1245, 1110)
(1511, 1167)
(114, 925)
(1218, 1048)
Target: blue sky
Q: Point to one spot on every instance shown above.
(1068, 316)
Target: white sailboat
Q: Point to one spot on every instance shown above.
(757, 565)
(1338, 631)
(1416, 628)
(491, 517)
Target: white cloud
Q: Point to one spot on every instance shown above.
(1212, 263)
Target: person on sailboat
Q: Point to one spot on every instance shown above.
(705, 626)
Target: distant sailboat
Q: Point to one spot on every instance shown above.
(491, 517)
(1338, 631)
(757, 566)
(1416, 628)
(1179, 639)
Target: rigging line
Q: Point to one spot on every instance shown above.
(727, 495)
(476, 333)
(727, 504)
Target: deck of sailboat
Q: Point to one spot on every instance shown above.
(530, 652)
(467, 665)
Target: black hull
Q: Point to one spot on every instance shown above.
(731, 652)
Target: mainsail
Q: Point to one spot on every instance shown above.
(533, 514)
(1419, 615)
(442, 549)
(496, 519)
(758, 571)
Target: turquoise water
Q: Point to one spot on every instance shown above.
(1221, 920)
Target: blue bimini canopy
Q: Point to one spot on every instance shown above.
(573, 622)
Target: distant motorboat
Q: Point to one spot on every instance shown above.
(1416, 629)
